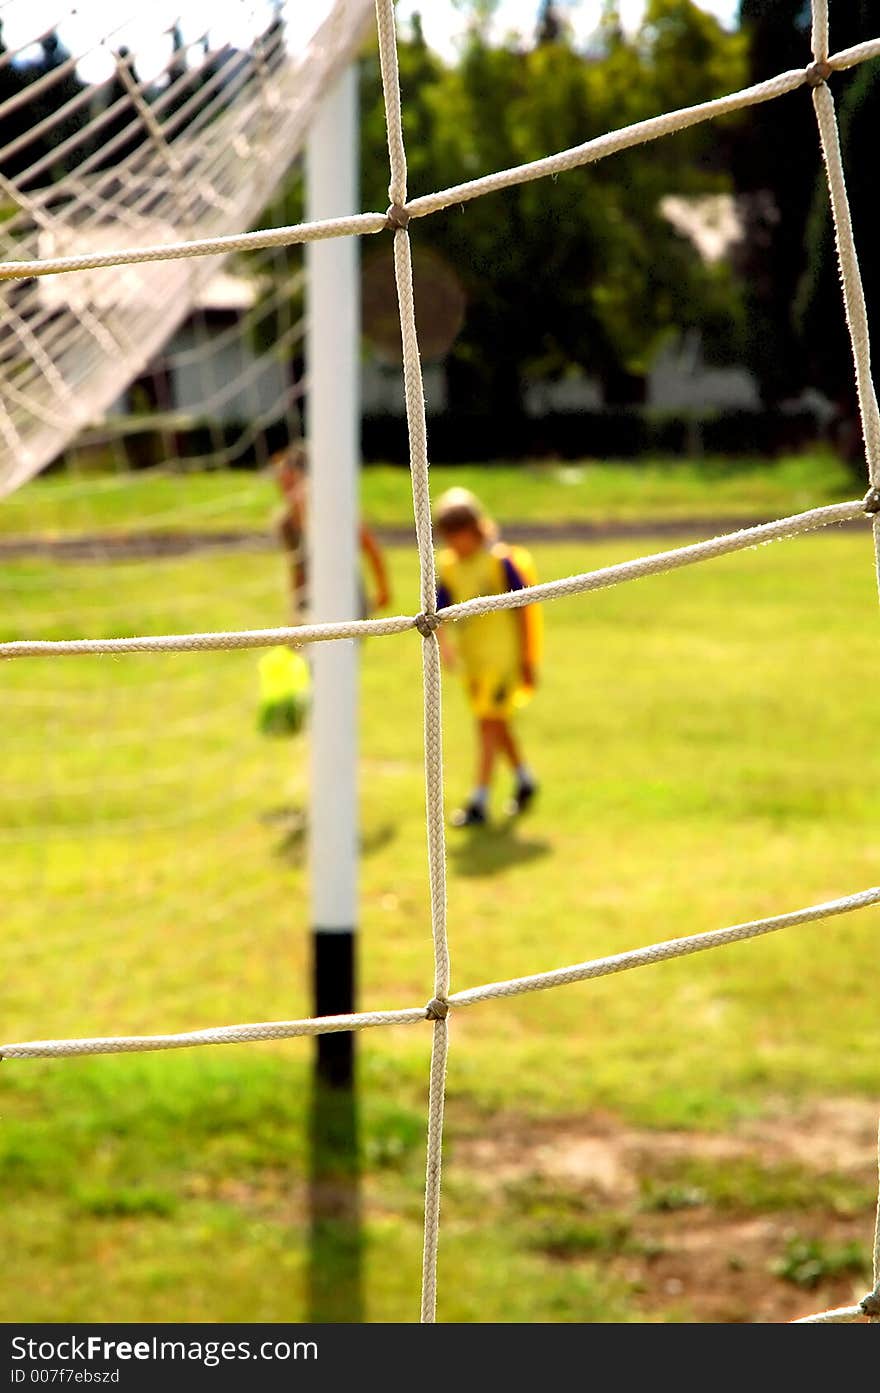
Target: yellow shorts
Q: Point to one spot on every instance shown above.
(495, 696)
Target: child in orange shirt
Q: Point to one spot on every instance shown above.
(290, 528)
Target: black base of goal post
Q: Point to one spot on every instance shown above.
(334, 995)
(335, 1286)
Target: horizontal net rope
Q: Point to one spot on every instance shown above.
(55, 343)
(220, 395)
(185, 108)
(662, 952)
(206, 361)
(841, 1315)
(858, 53)
(600, 579)
(638, 569)
(295, 634)
(169, 158)
(59, 814)
(367, 223)
(144, 179)
(218, 1035)
(133, 191)
(540, 981)
(357, 224)
(209, 348)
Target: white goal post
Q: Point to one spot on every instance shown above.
(333, 424)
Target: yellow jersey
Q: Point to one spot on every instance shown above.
(492, 646)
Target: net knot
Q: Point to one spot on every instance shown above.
(427, 624)
(818, 72)
(397, 217)
(870, 1304)
(871, 500)
(437, 1009)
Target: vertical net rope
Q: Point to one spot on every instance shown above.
(436, 828)
(425, 623)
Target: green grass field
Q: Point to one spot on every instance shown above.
(590, 491)
(708, 753)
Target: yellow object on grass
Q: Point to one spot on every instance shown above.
(285, 686)
(491, 645)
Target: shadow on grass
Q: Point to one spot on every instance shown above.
(478, 851)
(292, 823)
(336, 1234)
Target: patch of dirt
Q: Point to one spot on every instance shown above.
(145, 545)
(596, 1151)
(722, 1269)
(696, 1259)
(130, 546)
(837, 1134)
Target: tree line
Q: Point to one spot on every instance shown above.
(582, 273)
(585, 272)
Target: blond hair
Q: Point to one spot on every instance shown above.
(458, 509)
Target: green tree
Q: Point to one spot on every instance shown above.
(776, 164)
(582, 270)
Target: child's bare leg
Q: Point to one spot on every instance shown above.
(474, 810)
(526, 785)
(508, 744)
(487, 751)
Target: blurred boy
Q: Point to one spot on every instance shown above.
(291, 530)
(498, 651)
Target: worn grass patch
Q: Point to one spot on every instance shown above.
(745, 1185)
(808, 1262)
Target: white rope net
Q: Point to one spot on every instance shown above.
(223, 392)
(198, 148)
(427, 621)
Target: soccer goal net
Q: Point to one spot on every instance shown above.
(192, 143)
(159, 399)
(112, 258)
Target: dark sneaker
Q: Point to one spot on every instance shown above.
(523, 797)
(471, 815)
